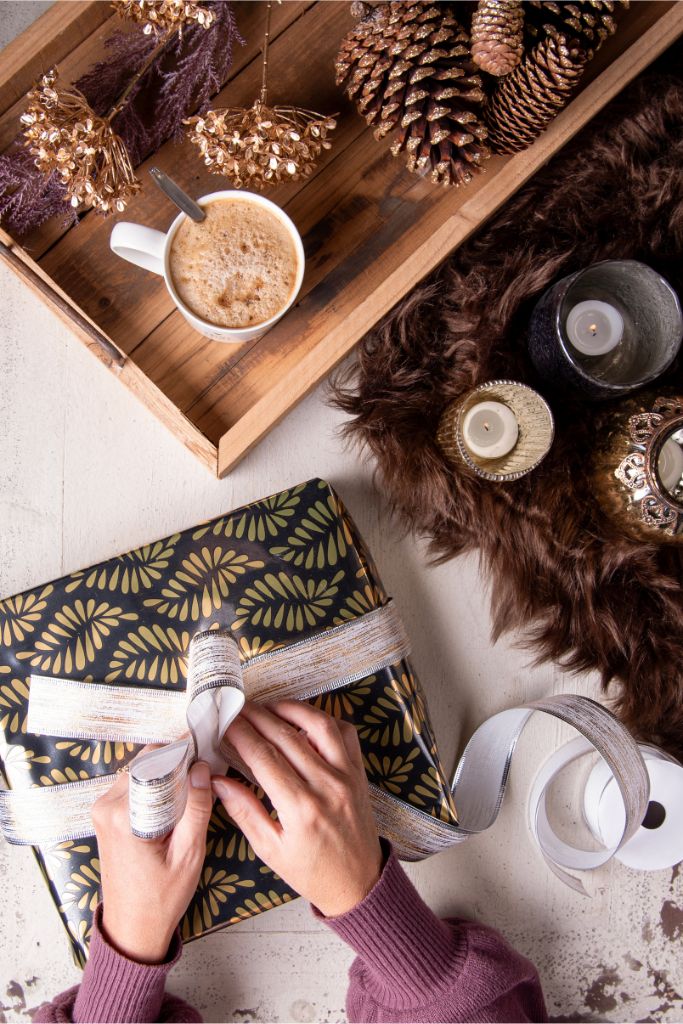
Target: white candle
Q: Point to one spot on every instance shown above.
(670, 465)
(490, 430)
(594, 328)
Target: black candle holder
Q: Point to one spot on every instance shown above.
(652, 332)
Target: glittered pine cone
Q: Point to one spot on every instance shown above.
(497, 35)
(526, 101)
(409, 69)
(588, 21)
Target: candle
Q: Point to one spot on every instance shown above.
(594, 328)
(490, 430)
(670, 465)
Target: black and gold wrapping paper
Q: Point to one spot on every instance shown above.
(273, 572)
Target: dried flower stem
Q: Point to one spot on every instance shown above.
(66, 136)
(260, 146)
(266, 39)
(158, 49)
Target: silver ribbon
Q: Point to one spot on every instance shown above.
(192, 725)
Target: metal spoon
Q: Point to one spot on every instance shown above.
(174, 192)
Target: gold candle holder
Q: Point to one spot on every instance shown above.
(627, 465)
(534, 419)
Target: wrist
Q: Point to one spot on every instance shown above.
(354, 890)
(346, 901)
(131, 940)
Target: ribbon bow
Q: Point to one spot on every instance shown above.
(192, 725)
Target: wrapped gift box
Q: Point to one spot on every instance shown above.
(273, 572)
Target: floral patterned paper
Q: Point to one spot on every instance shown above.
(273, 572)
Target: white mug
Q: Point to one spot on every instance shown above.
(150, 249)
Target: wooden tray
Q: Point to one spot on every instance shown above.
(371, 230)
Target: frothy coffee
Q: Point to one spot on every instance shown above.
(238, 267)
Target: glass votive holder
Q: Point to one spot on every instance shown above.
(606, 330)
(499, 431)
(638, 468)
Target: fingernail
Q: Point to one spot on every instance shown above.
(200, 775)
(218, 785)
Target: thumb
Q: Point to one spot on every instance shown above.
(191, 829)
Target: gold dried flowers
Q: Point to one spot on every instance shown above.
(260, 145)
(162, 15)
(66, 136)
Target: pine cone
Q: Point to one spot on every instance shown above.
(497, 30)
(408, 67)
(589, 21)
(527, 100)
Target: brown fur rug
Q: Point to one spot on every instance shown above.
(587, 598)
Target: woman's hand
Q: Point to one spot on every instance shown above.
(325, 842)
(147, 884)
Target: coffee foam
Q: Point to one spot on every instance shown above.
(238, 267)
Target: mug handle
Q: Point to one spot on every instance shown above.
(140, 245)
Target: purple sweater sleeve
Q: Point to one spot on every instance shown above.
(412, 966)
(115, 988)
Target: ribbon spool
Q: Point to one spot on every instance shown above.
(657, 842)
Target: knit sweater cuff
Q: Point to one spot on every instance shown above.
(115, 988)
(409, 956)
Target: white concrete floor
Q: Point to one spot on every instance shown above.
(85, 473)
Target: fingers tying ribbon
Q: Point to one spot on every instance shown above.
(189, 725)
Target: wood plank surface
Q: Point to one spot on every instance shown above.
(351, 242)
(334, 213)
(371, 230)
(361, 302)
(47, 41)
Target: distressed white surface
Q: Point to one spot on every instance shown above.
(85, 473)
(15, 17)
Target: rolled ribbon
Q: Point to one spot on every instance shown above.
(192, 725)
(657, 843)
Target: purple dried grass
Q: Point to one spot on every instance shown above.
(27, 198)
